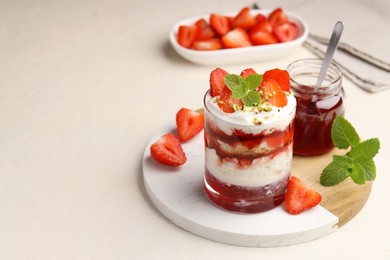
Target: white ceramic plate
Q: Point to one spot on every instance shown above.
(244, 54)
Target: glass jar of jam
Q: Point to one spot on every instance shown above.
(316, 108)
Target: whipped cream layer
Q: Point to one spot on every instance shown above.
(277, 119)
(263, 171)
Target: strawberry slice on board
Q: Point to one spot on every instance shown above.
(244, 19)
(208, 45)
(246, 72)
(167, 150)
(186, 35)
(287, 31)
(204, 30)
(280, 76)
(271, 92)
(299, 197)
(220, 24)
(189, 123)
(217, 82)
(236, 38)
(226, 102)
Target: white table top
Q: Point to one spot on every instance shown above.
(84, 85)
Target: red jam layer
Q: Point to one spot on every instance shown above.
(313, 124)
(245, 199)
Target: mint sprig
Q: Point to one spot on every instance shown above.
(357, 163)
(245, 88)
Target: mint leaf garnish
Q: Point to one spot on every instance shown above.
(252, 99)
(337, 171)
(358, 163)
(343, 133)
(365, 151)
(245, 88)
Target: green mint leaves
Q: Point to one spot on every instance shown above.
(358, 163)
(245, 88)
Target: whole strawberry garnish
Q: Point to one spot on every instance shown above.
(300, 197)
(189, 123)
(280, 76)
(167, 150)
(217, 81)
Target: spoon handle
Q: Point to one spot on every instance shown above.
(334, 40)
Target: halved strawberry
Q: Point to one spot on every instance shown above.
(260, 18)
(264, 26)
(244, 19)
(204, 30)
(220, 24)
(208, 45)
(167, 150)
(287, 31)
(271, 92)
(262, 38)
(277, 17)
(236, 38)
(186, 35)
(217, 82)
(189, 123)
(300, 197)
(280, 76)
(226, 102)
(246, 72)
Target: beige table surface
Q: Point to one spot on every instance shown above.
(84, 85)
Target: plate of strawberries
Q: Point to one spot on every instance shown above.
(239, 37)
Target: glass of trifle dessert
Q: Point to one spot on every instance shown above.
(249, 129)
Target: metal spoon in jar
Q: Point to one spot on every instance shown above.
(332, 46)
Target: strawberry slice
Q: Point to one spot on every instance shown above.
(217, 82)
(189, 123)
(208, 45)
(280, 76)
(260, 18)
(264, 26)
(271, 92)
(246, 72)
(186, 35)
(300, 197)
(263, 38)
(277, 17)
(244, 19)
(167, 150)
(226, 102)
(220, 24)
(287, 31)
(236, 38)
(204, 30)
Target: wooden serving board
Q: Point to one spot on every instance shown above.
(178, 193)
(344, 200)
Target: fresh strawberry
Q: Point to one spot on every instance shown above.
(167, 150)
(189, 123)
(244, 19)
(264, 26)
(271, 92)
(300, 197)
(186, 35)
(220, 24)
(262, 38)
(204, 30)
(260, 18)
(277, 17)
(286, 32)
(226, 102)
(280, 76)
(236, 38)
(208, 45)
(217, 82)
(246, 72)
